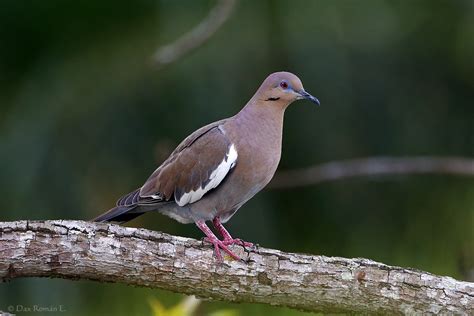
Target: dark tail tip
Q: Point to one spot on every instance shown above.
(119, 214)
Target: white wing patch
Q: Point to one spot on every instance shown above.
(215, 178)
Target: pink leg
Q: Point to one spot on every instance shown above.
(228, 240)
(216, 242)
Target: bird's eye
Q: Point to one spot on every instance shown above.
(284, 84)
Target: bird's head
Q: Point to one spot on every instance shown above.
(283, 88)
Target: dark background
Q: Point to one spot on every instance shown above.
(85, 117)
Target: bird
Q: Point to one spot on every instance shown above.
(219, 167)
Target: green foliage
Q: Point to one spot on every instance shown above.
(187, 307)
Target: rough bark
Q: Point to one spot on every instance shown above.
(112, 253)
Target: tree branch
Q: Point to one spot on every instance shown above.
(197, 36)
(112, 253)
(372, 166)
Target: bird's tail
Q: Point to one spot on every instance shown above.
(120, 214)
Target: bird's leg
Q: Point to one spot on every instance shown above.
(228, 240)
(215, 242)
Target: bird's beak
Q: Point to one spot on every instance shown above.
(305, 95)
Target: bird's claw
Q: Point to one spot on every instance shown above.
(238, 241)
(218, 245)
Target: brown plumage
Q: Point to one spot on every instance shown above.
(182, 172)
(216, 169)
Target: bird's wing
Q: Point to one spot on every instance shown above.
(198, 165)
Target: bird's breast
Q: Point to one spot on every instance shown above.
(259, 156)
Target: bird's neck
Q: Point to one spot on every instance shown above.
(262, 119)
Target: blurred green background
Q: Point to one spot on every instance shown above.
(86, 117)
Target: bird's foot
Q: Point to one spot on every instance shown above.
(237, 241)
(228, 240)
(221, 244)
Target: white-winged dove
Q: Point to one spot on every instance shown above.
(219, 167)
